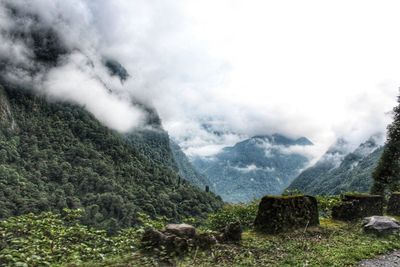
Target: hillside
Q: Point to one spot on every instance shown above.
(254, 167)
(339, 171)
(186, 169)
(56, 155)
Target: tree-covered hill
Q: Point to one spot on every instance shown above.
(55, 155)
(338, 171)
(186, 169)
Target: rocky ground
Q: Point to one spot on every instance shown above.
(389, 260)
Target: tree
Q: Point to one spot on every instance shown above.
(387, 174)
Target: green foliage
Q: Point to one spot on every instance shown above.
(325, 204)
(40, 240)
(387, 173)
(245, 214)
(186, 169)
(60, 240)
(59, 156)
(47, 239)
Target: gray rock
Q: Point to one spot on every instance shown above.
(380, 225)
(277, 214)
(388, 260)
(172, 244)
(181, 230)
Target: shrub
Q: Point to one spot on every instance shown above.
(245, 214)
(325, 204)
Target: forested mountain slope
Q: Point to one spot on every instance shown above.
(254, 167)
(186, 169)
(56, 155)
(338, 171)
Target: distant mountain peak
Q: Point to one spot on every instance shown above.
(280, 139)
(252, 168)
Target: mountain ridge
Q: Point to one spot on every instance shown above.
(339, 171)
(254, 167)
(62, 157)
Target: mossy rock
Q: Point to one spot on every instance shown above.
(358, 206)
(393, 207)
(281, 214)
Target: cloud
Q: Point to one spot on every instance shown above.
(70, 68)
(253, 168)
(262, 69)
(76, 81)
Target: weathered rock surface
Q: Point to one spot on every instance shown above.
(182, 230)
(389, 260)
(205, 240)
(380, 225)
(176, 239)
(355, 207)
(170, 243)
(394, 204)
(282, 213)
(231, 233)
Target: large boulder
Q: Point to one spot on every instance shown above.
(380, 225)
(358, 206)
(182, 230)
(393, 207)
(282, 213)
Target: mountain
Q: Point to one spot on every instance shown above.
(254, 167)
(341, 171)
(55, 154)
(186, 169)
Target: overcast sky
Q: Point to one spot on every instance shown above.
(320, 69)
(313, 68)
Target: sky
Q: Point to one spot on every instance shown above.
(319, 69)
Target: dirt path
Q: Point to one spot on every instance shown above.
(389, 260)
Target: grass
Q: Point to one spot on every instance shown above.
(333, 243)
(49, 239)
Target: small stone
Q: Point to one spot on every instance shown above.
(152, 238)
(232, 233)
(181, 230)
(380, 225)
(205, 240)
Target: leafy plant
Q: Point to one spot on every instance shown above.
(245, 214)
(325, 204)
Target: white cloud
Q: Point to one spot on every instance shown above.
(253, 168)
(76, 81)
(310, 68)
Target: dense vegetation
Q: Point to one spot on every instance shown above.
(49, 239)
(56, 155)
(254, 167)
(186, 169)
(387, 173)
(335, 173)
